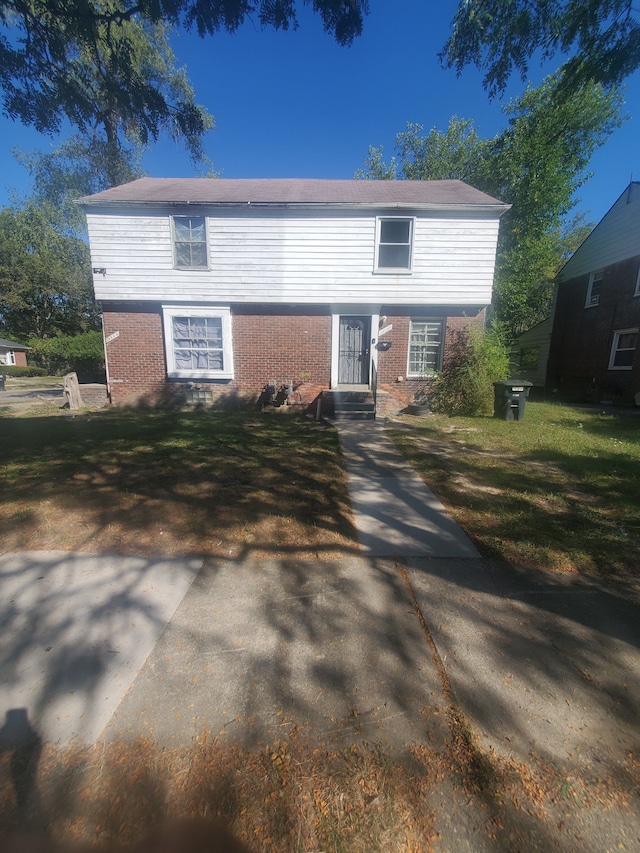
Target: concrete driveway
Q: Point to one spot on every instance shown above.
(23, 396)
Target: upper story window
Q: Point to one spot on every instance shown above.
(637, 290)
(594, 289)
(623, 349)
(394, 249)
(425, 347)
(190, 242)
(198, 342)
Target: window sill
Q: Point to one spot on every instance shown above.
(196, 375)
(392, 271)
(192, 269)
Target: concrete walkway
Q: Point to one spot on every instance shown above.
(395, 514)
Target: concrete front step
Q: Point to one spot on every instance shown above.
(349, 403)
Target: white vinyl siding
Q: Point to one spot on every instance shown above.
(198, 342)
(425, 347)
(623, 349)
(303, 257)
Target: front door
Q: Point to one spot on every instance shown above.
(354, 352)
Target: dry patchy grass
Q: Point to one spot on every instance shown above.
(298, 795)
(194, 483)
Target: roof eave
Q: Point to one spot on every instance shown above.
(496, 209)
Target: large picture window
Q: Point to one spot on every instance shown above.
(198, 343)
(394, 244)
(623, 349)
(425, 347)
(190, 242)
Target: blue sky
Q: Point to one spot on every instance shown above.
(294, 104)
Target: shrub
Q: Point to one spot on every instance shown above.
(477, 359)
(16, 372)
(83, 354)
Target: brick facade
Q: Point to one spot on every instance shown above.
(392, 363)
(582, 338)
(274, 345)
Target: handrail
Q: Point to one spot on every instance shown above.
(374, 387)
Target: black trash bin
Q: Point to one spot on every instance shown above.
(1, 381)
(510, 397)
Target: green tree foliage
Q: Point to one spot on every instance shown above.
(45, 278)
(601, 39)
(113, 78)
(80, 166)
(83, 353)
(536, 164)
(106, 65)
(477, 359)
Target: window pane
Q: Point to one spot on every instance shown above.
(197, 343)
(394, 256)
(625, 349)
(190, 241)
(198, 255)
(395, 230)
(624, 358)
(425, 345)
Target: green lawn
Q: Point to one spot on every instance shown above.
(559, 490)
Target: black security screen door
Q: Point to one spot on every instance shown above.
(353, 362)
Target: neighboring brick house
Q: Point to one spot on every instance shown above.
(215, 287)
(594, 354)
(12, 353)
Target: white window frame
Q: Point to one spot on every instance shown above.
(224, 313)
(598, 275)
(10, 357)
(412, 227)
(175, 241)
(615, 348)
(434, 320)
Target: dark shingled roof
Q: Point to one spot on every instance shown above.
(13, 345)
(293, 191)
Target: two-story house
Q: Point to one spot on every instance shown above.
(215, 287)
(594, 342)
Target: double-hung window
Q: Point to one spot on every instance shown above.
(190, 242)
(594, 288)
(394, 244)
(425, 347)
(623, 349)
(198, 342)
